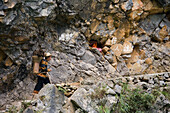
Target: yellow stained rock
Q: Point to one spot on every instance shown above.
(156, 10)
(148, 5)
(2, 56)
(105, 49)
(127, 48)
(114, 40)
(21, 38)
(110, 23)
(163, 32)
(167, 44)
(94, 26)
(134, 56)
(114, 64)
(132, 38)
(149, 70)
(88, 34)
(135, 15)
(148, 61)
(8, 62)
(1, 19)
(129, 65)
(137, 4)
(117, 49)
(136, 68)
(142, 54)
(108, 42)
(115, 1)
(119, 34)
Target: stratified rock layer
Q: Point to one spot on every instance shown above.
(132, 34)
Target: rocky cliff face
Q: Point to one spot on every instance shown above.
(133, 36)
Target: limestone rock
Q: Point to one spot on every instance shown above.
(135, 15)
(163, 32)
(89, 58)
(118, 89)
(137, 4)
(151, 22)
(147, 5)
(127, 5)
(109, 58)
(94, 26)
(134, 56)
(111, 69)
(2, 13)
(114, 40)
(108, 42)
(136, 68)
(51, 99)
(105, 49)
(82, 102)
(127, 48)
(117, 49)
(148, 61)
(110, 91)
(111, 100)
(116, 1)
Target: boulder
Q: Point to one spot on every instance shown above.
(127, 48)
(148, 61)
(136, 68)
(137, 4)
(105, 49)
(151, 22)
(117, 49)
(94, 26)
(50, 99)
(127, 5)
(88, 57)
(108, 42)
(118, 89)
(85, 102)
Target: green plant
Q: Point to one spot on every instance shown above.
(133, 101)
(166, 94)
(12, 109)
(24, 106)
(61, 89)
(99, 93)
(103, 109)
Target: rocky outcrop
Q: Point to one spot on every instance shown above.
(133, 36)
(91, 93)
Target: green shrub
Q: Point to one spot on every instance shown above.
(166, 94)
(12, 109)
(103, 109)
(134, 101)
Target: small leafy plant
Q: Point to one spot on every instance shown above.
(134, 101)
(103, 109)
